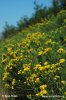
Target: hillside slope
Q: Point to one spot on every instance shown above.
(33, 63)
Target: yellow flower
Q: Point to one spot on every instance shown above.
(37, 80)
(45, 63)
(47, 49)
(46, 66)
(20, 71)
(9, 49)
(26, 69)
(43, 92)
(4, 60)
(41, 68)
(33, 76)
(13, 81)
(5, 76)
(40, 53)
(60, 50)
(38, 94)
(48, 41)
(26, 65)
(62, 60)
(12, 87)
(37, 66)
(43, 86)
(53, 66)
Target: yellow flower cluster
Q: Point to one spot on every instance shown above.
(37, 80)
(48, 41)
(36, 61)
(42, 87)
(20, 72)
(61, 50)
(40, 53)
(9, 49)
(13, 83)
(32, 78)
(43, 90)
(47, 49)
(5, 76)
(61, 60)
(26, 68)
(41, 68)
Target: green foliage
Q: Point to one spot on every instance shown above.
(33, 62)
(9, 30)
(23, 23)
(55, 7)
(62, 4)
(60, 17)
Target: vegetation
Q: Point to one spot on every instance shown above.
(33, 62)
(40, 14)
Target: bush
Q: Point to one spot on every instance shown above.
(33, 63)
(34, 67)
